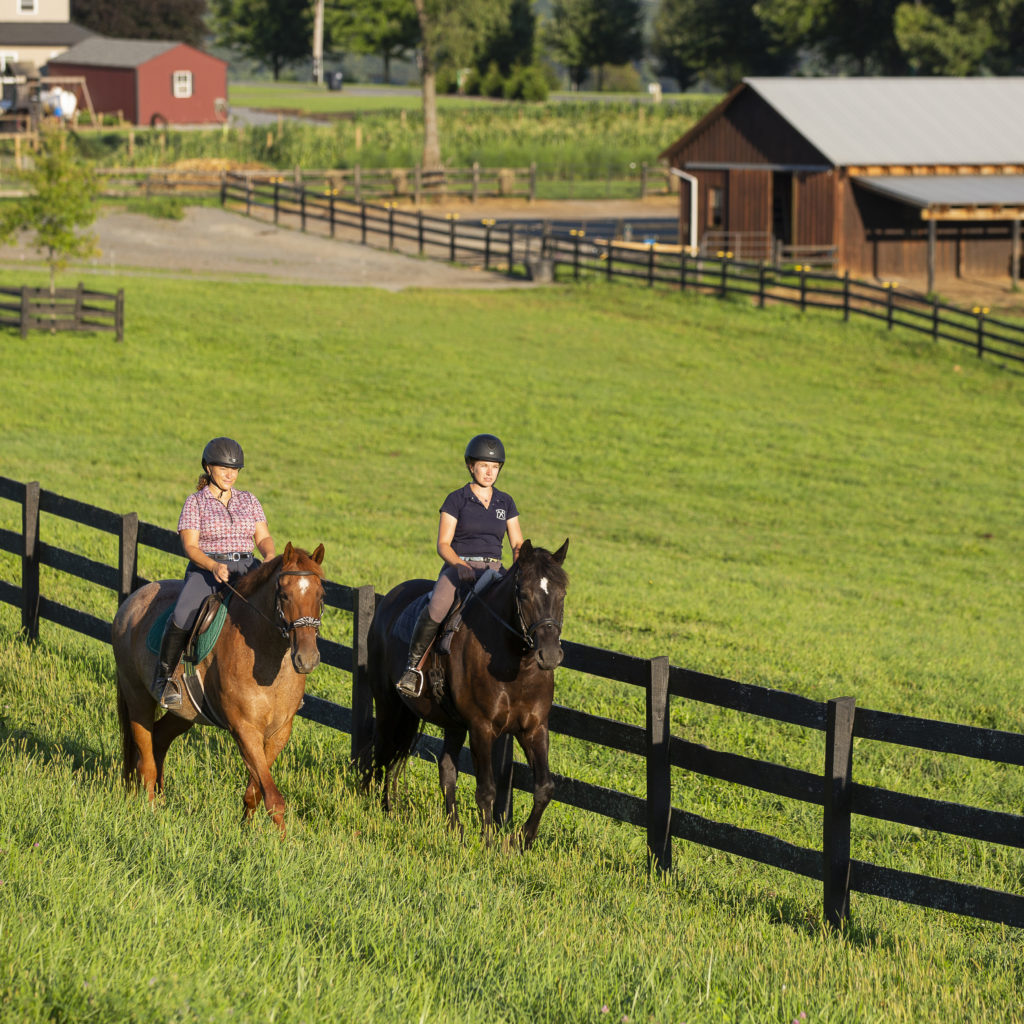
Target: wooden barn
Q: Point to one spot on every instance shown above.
(900, 177)
(149, 82)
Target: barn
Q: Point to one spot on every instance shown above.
(149, 82)
(896, 177)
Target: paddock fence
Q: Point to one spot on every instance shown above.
(657, 750)
(795, 277)
(67, 309)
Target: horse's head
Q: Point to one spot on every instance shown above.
(300, 603)
(540, 592)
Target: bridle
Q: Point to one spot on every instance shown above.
(284, 627)
(526, 633)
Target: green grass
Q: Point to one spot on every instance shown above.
(772, 497)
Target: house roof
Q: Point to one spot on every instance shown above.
(894, 121)
(41, 33)
(903, 120)
(99, 51)
(949, 190)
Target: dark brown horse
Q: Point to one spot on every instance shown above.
(254, 678)
(498, 678)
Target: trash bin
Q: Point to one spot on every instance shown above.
(334, 80)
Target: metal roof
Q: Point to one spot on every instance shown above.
(859, 121)
(949, 190)
(41, 33)
(101, 52)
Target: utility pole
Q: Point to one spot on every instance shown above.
(318, 42)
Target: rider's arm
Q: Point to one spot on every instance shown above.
(190, 543)
(264, 542)
(445, 536)
(515, 536)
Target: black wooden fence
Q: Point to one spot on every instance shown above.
(545, 257)
(833, 790)
(67, 309)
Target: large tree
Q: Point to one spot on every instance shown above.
(451, 32)
(962, 37)
(583, 34)
(513, 44)
(388, 29)
(719, 41)
(178, 20)
(274, 32)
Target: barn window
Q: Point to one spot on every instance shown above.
(716, 207)
(182, 84)
(28, 6)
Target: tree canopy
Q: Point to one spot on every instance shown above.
(388, 29)
(177, 20)
(274, 32)
(586, 34)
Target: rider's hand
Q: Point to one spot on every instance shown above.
(466, 573)
(221, 573)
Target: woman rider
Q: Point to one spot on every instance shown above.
(474, 522)
(219, 526)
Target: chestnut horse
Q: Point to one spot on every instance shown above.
(254, 678)
(498, 678)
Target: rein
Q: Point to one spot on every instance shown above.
(287, 627)
(526, 633)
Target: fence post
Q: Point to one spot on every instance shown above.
(659, 769)
(78, 305)
(889, 305)
(760, 285)
(391, 227)
(846, 297)
(30, 562)
(577, 237)
(511, 246)
(302, 207)
(419, 229)
(277, 207)
(330, 209)
(362, 223)
(128, 556)
(682, 270)
(487, 244)
(119, 314)
(476, 181)
(839, 718)
(724, 287)
(501, 761)
(935, 319)
(362, 696)
(417, 183)
(650, 265)
(24, 311)
(609, 266)
(248, 197)
(981, 330)
(803, 288)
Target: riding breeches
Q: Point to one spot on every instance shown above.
(199, 585)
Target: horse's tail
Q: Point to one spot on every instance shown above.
(129, 751)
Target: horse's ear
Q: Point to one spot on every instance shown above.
(559, 555)
(287, 552)
(525, 549)
(318, 555)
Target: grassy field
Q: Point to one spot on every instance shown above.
(781, 499)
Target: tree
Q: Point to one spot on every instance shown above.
(386, 28)
(962, 37)
(451, 32)
(179, 20)
(62, 200)
(719, 41)
(511, 45)
(271, 31)
(586, 33)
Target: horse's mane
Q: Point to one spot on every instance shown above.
(255, 578)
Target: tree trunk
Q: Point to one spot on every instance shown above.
(431, 140)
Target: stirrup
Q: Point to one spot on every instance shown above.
(411, 682)
(171, 696)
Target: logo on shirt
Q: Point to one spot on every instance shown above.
(500, 513)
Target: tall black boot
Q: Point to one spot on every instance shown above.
(171, 648)
(411, 682)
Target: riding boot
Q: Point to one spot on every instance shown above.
(411, 682)
(171, 649)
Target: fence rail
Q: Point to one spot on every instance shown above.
(839, 719)
(66, 309)
(544, 256)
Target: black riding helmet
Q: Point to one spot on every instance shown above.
(222, 451)
(486, 448)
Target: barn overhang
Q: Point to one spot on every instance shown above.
(955, 197)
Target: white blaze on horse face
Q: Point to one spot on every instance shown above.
(544, 584)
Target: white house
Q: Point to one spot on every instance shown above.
(33, 31)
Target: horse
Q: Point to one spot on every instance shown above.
(254, 677)
(497, 678)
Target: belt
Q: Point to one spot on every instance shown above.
(229, 556)
(479, 558)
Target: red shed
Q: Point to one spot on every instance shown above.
(150, 82)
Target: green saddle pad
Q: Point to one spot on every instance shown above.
(206, 639)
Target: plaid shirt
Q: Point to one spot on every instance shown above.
(220, 528)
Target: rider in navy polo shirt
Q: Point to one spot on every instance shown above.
(474, 522)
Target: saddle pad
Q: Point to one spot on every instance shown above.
(406, 622)
(206, 639)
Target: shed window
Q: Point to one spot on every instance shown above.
(716, 207)
(28, 6)
(182, 84)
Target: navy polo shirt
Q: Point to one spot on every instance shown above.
(479, 530)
